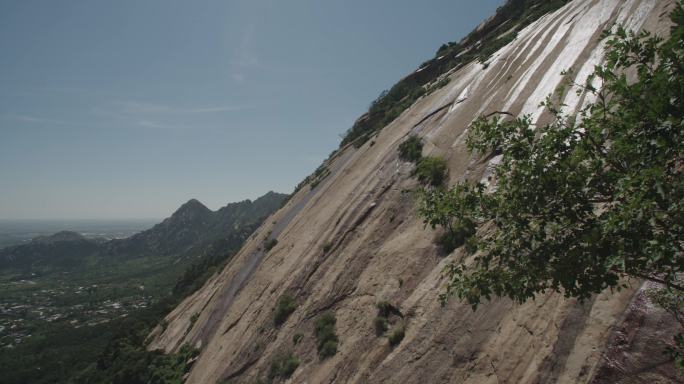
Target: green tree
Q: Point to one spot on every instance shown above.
(284, 308)
(411, 149)
(432, 171)
(326, 339)
(283, 366)
(586, 200)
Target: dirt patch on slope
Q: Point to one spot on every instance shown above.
(636, 350)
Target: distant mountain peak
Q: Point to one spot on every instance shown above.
(192, 206)
(270, 195)
(191, 227)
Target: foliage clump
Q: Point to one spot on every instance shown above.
(131, 363)
(269, 244)
(397, 334)
(284, 308)
(411, 149)
(451, 209)
(326, 339)
(443, 82)
(450, 240)
(585, 200)
(432, 171)
(381, 322)
(193, 318)
(494, 46)
(480, 44)
(316, 177)
(389, 315)
(283, 366)
(384, 308)
(381, 325)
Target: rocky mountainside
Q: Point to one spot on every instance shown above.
(194, 226)
(348, 244)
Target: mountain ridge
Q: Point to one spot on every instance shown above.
(350, 240)
(67, 300)
(192, 225)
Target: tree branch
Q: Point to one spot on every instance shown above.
(657, 280)
(497, 113)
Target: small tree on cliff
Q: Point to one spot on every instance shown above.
(585, 200)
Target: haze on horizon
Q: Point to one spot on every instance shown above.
(127, 109)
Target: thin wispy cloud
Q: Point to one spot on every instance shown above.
(160, 116)
(32, 119)
(171, 126)
(65, 89)
(226, 108)
(150, 124)
(238, 77)
(136, 108)
(244, 57)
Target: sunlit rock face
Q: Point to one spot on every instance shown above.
(354, 240)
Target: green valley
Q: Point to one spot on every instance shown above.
(65, 298)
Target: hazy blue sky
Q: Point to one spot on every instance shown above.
(126, 109)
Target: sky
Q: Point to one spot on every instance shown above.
(126, 109)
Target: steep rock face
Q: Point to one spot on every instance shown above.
(354, 240)
(634, 353)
